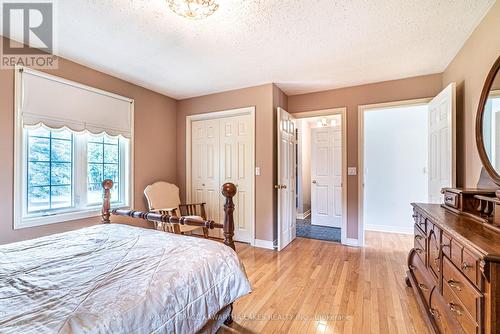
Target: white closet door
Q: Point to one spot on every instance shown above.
(236, 149)
(205, 169)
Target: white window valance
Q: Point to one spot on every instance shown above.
(56, 103)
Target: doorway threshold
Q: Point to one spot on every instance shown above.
(306, 230)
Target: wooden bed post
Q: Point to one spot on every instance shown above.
(229, 190)
(106, 203)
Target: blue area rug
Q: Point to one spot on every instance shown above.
(306, 230)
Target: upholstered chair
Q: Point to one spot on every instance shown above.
(163, 198)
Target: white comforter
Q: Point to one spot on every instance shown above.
(116, 279)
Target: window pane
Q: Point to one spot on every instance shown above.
(60, 197)
(111, 172)
(95, 173)
(95, 139)
(39, 173)
(38, 198)
(95, 153)
(40, 132)
(50, 169)
(115, 192)
(65, 134)
(94, 193)
(109, 140)
(61, 174)
(111, 153)
(61, 150)
(39, 149)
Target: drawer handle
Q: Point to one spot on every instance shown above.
(423, 287)
(455, 309)
(465, 266)
(448, 199)
(419, 237)
(454, 284)
(419, 250)
(415, 216)
(435, 313)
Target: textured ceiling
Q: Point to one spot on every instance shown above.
(301, 45)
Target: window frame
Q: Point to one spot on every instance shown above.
(77, 211)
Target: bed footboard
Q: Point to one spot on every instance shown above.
(228, 191)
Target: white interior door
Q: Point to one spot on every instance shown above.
(326, 176)
(236, 142)
(286, 179)
(205, 169)
(442, 171)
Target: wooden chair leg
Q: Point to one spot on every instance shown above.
(205, 232)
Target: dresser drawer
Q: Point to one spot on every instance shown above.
(456, 253)
(469, 265)
(419, 240)
(456, 281)
(434, 252)
(458, 311)
(446, 244)
(424, 283)
(451, 199)
(420, 220)
(440, 314)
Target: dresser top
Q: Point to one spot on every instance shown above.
(469, 232)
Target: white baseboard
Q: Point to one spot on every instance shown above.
(303, 215)
(350, 242)
(264, 244)
(390, 229)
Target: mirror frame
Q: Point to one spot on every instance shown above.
(479, 122)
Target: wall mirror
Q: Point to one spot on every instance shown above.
(488, 124)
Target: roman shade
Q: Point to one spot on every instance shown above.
(57, 103)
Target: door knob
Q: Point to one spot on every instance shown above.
(283, 187)
(314, 181)
(277, 186)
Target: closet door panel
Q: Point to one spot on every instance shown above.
(236, 167)
(205, 168)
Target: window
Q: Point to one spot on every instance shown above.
(50, 170)
(103, 158)
(68, 139)
(65, 170)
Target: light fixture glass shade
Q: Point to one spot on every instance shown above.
(193, 9)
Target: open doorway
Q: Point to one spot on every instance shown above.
(320, 175)
(406, 154)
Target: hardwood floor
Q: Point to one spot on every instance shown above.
(323, 287)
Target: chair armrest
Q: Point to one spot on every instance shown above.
(170, 211)
(193, 209)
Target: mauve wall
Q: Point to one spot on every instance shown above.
(352, 97)
(264, 98)
(469, 70)
(155, 142)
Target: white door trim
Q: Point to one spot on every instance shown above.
(217, 115)
(361, 139)
(342, 111)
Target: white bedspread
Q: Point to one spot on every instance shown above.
(116, 279)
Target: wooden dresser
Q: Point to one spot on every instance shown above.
(454, 267)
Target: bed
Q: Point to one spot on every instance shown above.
(115, 278)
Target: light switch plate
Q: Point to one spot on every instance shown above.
(257, 171)
(352, 171)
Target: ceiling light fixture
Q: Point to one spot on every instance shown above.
(193, 9)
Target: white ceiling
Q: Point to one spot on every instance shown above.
(301, 45)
